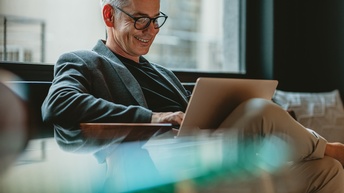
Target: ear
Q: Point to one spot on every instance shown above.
(108, 15)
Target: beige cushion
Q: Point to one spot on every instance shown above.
(323, 112)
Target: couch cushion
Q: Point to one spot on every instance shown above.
(323, 112)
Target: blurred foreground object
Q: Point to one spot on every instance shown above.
(14, 120)
(199, 163)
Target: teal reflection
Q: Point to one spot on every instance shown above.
(162, 165)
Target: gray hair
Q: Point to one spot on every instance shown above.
(115, 3)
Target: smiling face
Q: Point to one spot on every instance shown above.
(123, 38)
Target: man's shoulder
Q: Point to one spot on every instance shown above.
(97, 53)
(84, 54)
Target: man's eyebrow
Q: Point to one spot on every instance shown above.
(145, 15)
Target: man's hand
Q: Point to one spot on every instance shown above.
(175, 118)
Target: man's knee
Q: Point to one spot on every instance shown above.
(261, 107)
(252, 113)
(260, 112)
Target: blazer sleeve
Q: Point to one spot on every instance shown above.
(70, 100)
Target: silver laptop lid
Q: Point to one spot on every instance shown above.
(213, 99)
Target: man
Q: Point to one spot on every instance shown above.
(114, 83)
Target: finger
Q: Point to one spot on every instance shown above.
(179, 116)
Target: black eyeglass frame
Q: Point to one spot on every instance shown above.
(150, 19)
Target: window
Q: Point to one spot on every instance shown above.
(21, 39)
(199, 35)
(193, 37)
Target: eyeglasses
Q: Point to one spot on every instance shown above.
(141, 23)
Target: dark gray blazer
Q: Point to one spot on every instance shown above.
(95, 86)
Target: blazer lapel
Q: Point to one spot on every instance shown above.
(127, 78)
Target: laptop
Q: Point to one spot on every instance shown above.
(213, 99)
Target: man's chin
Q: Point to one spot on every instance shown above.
(144, 52)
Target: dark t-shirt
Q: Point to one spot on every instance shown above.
(159, 94)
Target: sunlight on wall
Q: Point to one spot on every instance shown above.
(70, 25)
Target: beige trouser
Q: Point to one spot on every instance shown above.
(131, 166)
(311, 171)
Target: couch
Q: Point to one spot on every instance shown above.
(322, 112)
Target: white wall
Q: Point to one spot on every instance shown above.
(70, 24)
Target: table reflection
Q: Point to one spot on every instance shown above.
(202, 163)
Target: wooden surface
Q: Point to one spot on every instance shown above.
(137, 131)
